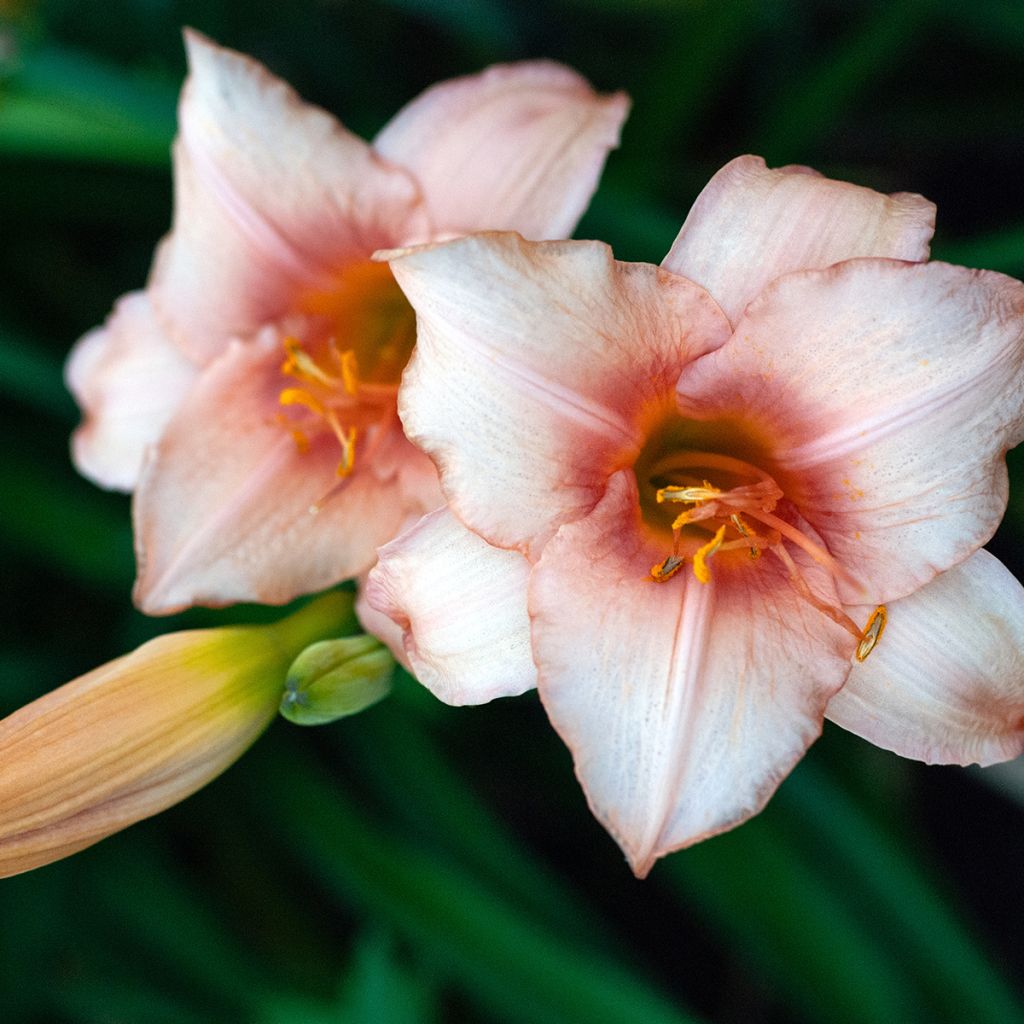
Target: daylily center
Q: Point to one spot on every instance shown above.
(365, 336)
(709, 505)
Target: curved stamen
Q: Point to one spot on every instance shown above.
(801, 540)
(700, 567)
(872, 632)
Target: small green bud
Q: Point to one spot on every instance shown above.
(335, 678)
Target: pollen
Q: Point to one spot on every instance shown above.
(686, 494)
(322, 395)
(872, 632)
(700, 565)
(666, 569)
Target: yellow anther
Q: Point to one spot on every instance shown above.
(299, 363)
(666, 569)
(348, 451)
(300, 439)
(700, 566)
(349, 371)
(296, 396)
(681, 520)
(872, 633)
(737, 521)
(686, 494)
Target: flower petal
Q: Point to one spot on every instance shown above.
(129, 378)
(684, 704)
(462, 607)
(519, 147)
(272, 197)
(533, 364)
(223, 510)
(945, 684)
(888, 394)
(751, 224)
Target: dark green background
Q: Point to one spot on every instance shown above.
(422, 863)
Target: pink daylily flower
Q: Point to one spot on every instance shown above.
(253, 382)
(684, 502)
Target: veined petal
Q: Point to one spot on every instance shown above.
(518, 147)
(751, 224)
(223, 509)
(272, 197)
(128, 377)
(142, 732)
(684, 704)
(461, 605)
(946, 682)
(533, 365)
(887, 411)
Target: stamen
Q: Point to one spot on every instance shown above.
(681, 520)
(300, 364)
(300, 439)
(349, 371)
(801, 540)
(666, 569)
(700, 567)
(347, 440)
(687, 494)
(872, 632)
(837, 615)
(296, 396)
(755, 551)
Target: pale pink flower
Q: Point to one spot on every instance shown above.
(248, 395)
(713, 479)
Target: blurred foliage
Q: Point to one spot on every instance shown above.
(427, 864)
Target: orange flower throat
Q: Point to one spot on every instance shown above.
(741, 517)
(341, 381)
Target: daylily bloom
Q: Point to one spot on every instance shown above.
(686, 501)
(143, 732)
(248, 394)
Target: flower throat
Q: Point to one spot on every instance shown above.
(738, 515)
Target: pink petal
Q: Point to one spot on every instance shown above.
(222, 512)
(461, 605)
(272, 197)
(129, 378)
(382, 626)
(946, 682)
(752, 224)
(519, 147)
(888, 393)
(529, 391)
(685, 705)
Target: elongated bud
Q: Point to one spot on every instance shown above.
(141, 733)
(335, 678)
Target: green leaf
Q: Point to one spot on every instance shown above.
(505, 962)
(422, 790)
(916, 917)
(818, 97)
(787, 916)
(72, 106)
(378, 988)
(32, 376)
(1001, 250)
(65, 522)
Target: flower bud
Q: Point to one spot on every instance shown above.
(335, 678)
(142, 732)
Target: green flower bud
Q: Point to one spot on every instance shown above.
(335, 678)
